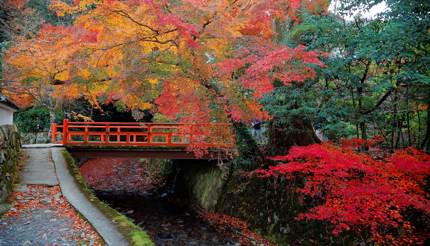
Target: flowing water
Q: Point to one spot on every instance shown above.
(167, 222)
(130, 187)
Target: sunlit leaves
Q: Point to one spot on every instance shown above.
(211, 60)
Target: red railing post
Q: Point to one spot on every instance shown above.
(54, 133)
(107, 133)
(149, 134)
(65, 131)
(86, 136)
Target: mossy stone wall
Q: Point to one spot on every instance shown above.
(201, 181)
(10, 146)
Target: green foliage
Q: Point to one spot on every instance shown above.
(33, 120)
(286, 104)
(249, 156)
(339, 129)
(42, 9)
(376, 77)
(159, 169)
(161, 118)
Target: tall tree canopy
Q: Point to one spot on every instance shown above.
(185, 57)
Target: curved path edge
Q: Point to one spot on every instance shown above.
(102, 224)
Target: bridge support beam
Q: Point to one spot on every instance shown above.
(140, 153)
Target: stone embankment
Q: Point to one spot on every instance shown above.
(10, 145)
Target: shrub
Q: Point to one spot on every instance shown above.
(357, 193)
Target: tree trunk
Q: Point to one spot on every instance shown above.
(363, 130)
(419, 124)
(51, 121)
(394, 122)
(408, 118)
(426, 142)
(299, 132)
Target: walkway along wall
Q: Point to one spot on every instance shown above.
(10, 146)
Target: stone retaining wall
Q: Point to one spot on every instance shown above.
(200, 181)
(268, 205)
(10, 145)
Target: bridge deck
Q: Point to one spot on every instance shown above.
(144, 152)
(156, 140)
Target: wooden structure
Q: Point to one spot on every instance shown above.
(142, 135)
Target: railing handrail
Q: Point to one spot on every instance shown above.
(143, 123)
(185, 132)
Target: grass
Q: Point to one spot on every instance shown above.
(133, 233)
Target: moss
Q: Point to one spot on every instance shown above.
(202, 181)
(133, 233)
(139, 238)
(9, 159)
(4, 207)
(208, 187)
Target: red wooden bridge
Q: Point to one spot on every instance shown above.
(162, 140)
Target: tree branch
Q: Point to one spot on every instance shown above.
(381, 100)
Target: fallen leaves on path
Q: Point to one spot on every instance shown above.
(51, 200)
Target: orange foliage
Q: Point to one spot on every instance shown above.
(178, 58)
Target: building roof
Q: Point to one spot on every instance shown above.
(5, 101)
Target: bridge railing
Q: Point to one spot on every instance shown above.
(217, 135)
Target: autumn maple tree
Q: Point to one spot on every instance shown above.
(202, 53)
(35, 66)
(196, 61)
(192, 61)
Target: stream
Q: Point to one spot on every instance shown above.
(132, 188)
(167, 222)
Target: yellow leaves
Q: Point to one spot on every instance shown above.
(61, 8)
(62, 76)
(98, 88)
(162, 44)
(68, 91)
(83, 4)
(153, 82)
(135, 102)
(84, 73)
(146, 105)
(218, 46)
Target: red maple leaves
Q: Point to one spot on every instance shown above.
(360, 193)
(263, 65)
(226, 223)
